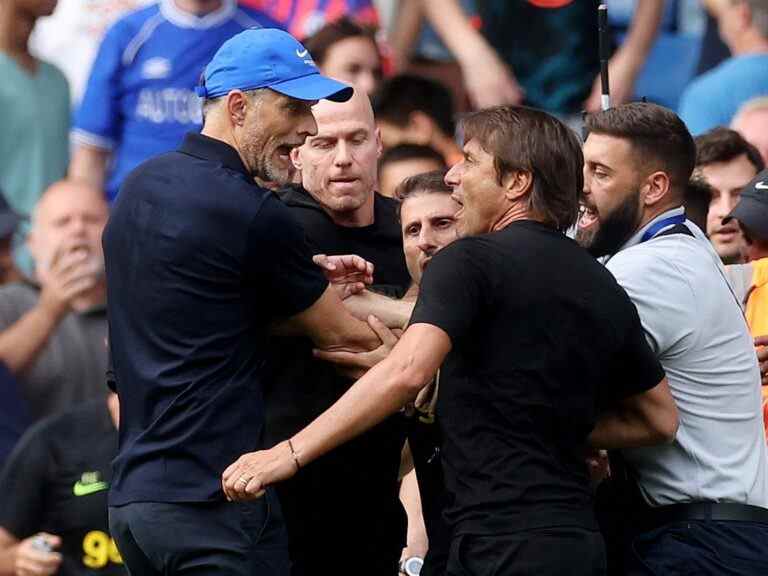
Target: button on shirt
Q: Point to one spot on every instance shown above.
(695, 325)
(199, 262)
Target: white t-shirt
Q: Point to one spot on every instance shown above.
(70, 37)
(695, 325)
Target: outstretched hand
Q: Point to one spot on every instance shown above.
(248, 476)
(348, 274)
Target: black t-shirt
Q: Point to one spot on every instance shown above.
(199, 262)
(343, 506)
(56, 481)
(543, 337)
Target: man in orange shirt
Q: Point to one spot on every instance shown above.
(752, 214)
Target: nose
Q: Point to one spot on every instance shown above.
(343, 155)
(308, 126)
(426, 242)
(721, 206)
(453, 177)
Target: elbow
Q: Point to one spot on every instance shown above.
(409, 381)
(665, 425)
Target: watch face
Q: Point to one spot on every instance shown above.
(412, 566)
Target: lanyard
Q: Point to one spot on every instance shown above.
(656, 228)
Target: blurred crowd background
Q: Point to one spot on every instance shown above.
(94, 87)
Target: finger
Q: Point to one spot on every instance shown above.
(355, 288)
(78, 287)
(323, 261)
(342, 358)
(254, 489)
(52, 539)
(385, 334)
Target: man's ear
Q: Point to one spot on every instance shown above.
(657, 186)
(517, 184)
(237, 104)
(296, 158)
(379, 144)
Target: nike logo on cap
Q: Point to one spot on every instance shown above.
(301, 54)
(762, 185)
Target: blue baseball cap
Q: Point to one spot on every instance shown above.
(268, 58)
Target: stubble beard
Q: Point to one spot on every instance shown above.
(613, 230)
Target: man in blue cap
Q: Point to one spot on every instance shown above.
(200, 263)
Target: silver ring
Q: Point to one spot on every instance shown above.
(243, 480)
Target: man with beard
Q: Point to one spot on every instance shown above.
(710, 483)
(727, 162)
(534, 341)
(341, 212)
(200, 262)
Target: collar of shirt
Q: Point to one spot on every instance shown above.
(207, 148)
(637, 236)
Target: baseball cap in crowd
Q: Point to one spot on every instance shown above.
(752, 209)
(268, 58)
(9, 219)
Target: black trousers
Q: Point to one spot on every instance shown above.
(222, 538)
(563, 551)
(701, 548)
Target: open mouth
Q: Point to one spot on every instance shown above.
(284, 152)
(588, 216)
(344, 180)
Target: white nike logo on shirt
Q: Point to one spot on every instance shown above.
(762, 185)
(301, 54)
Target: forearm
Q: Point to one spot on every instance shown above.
(393, 313)
(455, 30)
(641, 35)
(384, 390)
(89, 165)
(621, 429)
(417, 542)
(405, 31)
(21, 343)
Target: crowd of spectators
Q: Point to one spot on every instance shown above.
(95, 87)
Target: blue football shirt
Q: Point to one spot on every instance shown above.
(140, 98)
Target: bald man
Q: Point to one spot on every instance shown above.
(342, 512)
(53, 328)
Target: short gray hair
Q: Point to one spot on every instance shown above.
(210, 104)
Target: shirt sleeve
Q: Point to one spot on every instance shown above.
(452, 291)
(637, 368)
(24, 477)
(279, 247)
(97, 120)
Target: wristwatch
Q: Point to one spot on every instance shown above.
(411, 566)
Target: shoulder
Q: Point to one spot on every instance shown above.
(19, 294)
(131, 23)
(54, 74)
(666, 265)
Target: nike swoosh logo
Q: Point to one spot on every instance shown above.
(762, 185)
(80, 489)
(301, 54)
